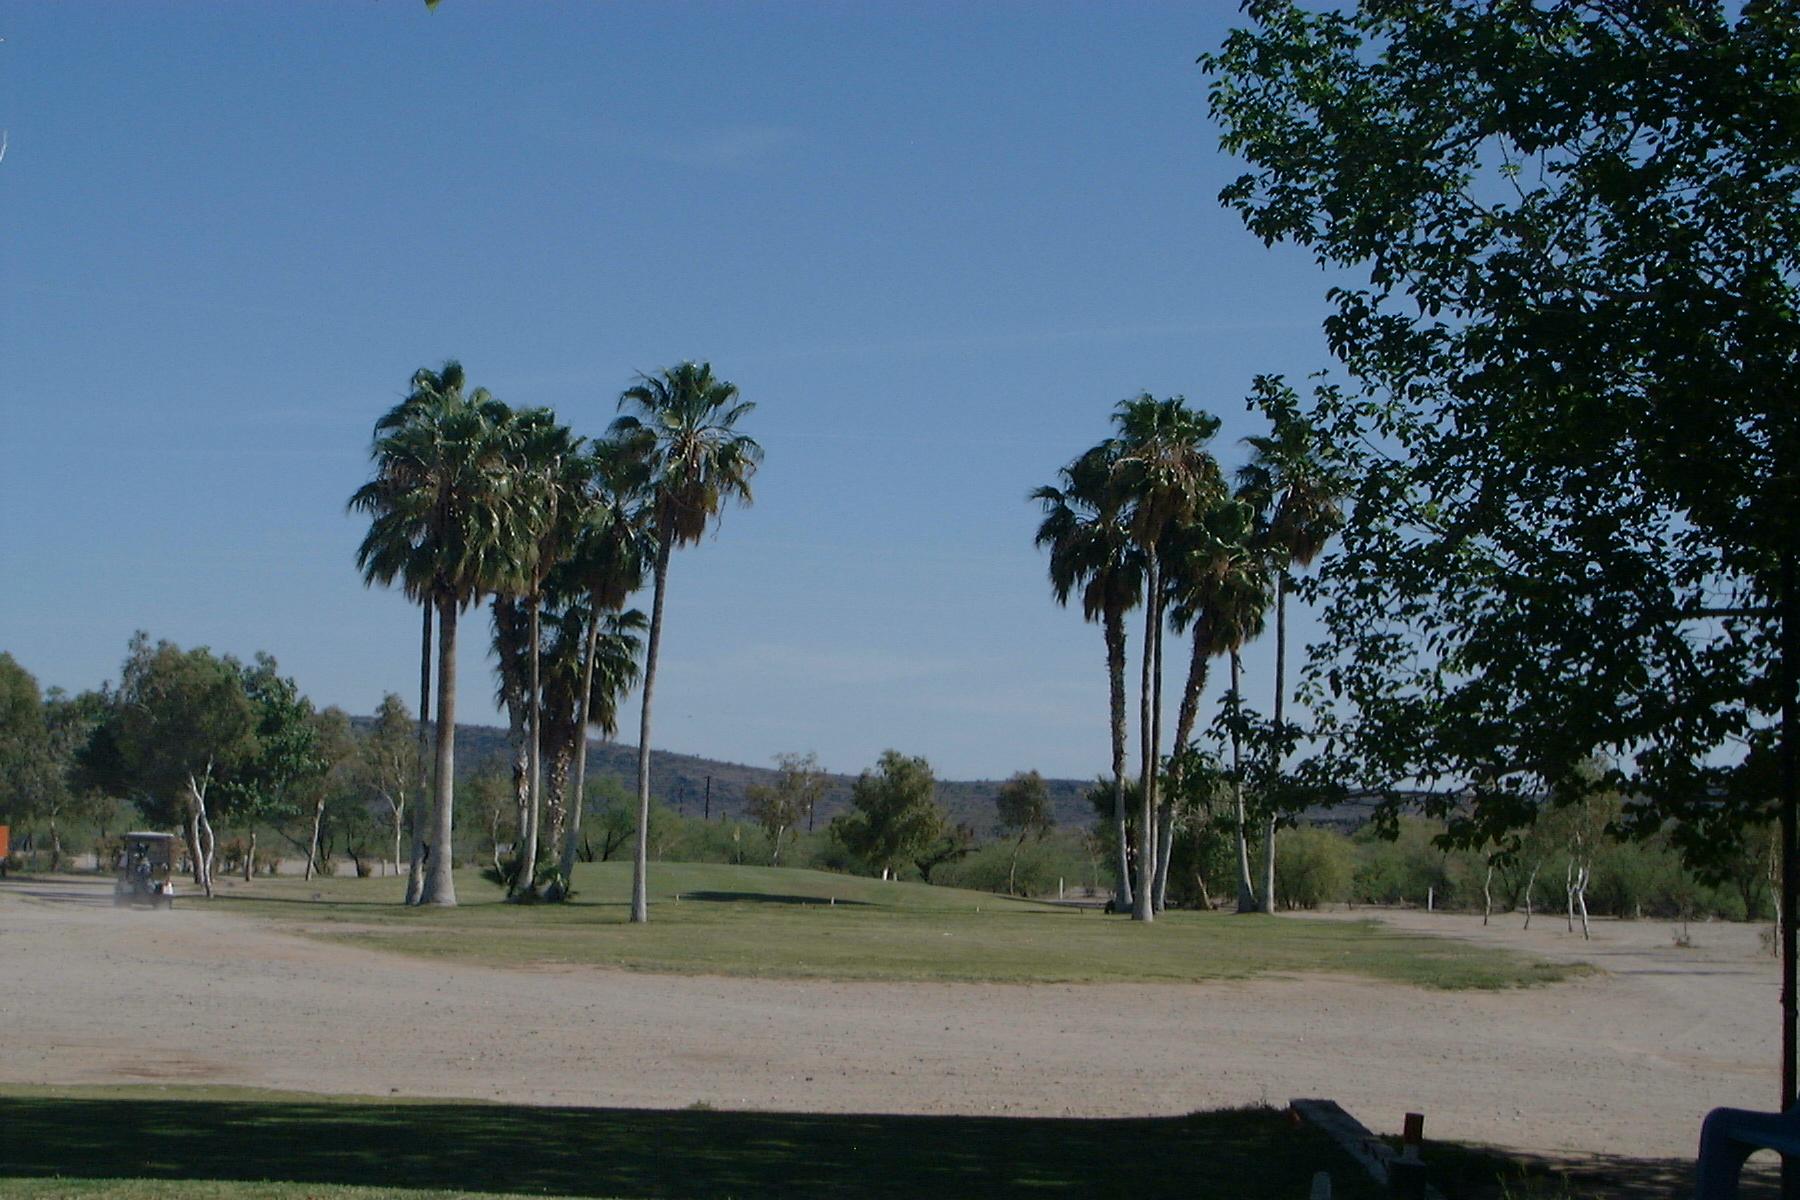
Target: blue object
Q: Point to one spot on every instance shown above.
(1728, 1136)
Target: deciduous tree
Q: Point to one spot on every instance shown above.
(894, 813)
(1574, 434)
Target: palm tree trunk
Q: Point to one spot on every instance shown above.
(1280, 740)
(1185, 716)
(527, 880)
(440, 885)
(1246, 901)
(572, 829)
(1140, 907)
(1154, 841)
(415, 873)
(640, 863)
(1115, 671)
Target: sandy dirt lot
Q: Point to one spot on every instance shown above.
(1623, 1063)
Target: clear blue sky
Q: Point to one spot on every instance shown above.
(933, 242)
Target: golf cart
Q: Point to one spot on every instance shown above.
(142, 870)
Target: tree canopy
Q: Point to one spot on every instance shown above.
(1576, 348)
(1576, 345)
(894, 815)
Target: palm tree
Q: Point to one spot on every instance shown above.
(685, 427)
(601, 651)
(1235, 618)
(1204, 564)
(1296, 501)
(547, 486)
(1164, 465)
(438, 500)
(1090, 546)
(611, 552)
(389, 552)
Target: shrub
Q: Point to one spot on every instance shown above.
(1312, 867)
(1404, 870)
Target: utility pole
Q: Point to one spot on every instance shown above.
(709, 797)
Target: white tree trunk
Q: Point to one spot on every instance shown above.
(203, 839)
(312, 847)
(640, 861)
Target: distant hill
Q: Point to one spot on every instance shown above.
(682, 781)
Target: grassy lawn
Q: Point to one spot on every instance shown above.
(208, 1144)
(711, 919)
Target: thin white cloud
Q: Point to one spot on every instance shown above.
(728, 148)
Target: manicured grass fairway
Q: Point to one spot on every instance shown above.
(810, 924)
(154, 1144)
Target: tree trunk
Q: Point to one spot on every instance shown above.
(440, 854)
(204, 842)
(1581, 882)
(527, 879)
(1278, 744)
(1569, 892)
(399, 811)
(191, 831)
(1115, 673)
(518, 736)
(1155, 839)
(1530, 882)
(572, 824)
(1246, 897)
(312, 849)
(1487, 895)
(640, 862)
(1185, 716)
(1788, 787)
(250, 856)
(415, 873)
(1146, 866)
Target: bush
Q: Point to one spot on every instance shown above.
(1404, 870)
(1312, 867)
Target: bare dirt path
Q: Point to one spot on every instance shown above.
(1624, 1063)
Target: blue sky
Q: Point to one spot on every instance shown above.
(933, 242)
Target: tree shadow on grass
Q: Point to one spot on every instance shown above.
(770, 898)
(1241, 1155)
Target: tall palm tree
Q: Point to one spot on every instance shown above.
(1165, 466)
(685, 427)
(1086, 531)
(547, 487)
(1297, 504)
(1235, 617)
(391, 552)
(611, 553)
(1204, 563)
(441, 488)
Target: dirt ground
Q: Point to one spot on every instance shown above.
(1623, 1063)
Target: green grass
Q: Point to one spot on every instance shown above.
(759, 921)
(159, 1144)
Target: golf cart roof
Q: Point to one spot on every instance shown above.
(149, 837)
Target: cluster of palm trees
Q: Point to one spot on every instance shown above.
(473, 499)
(1146, 518)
